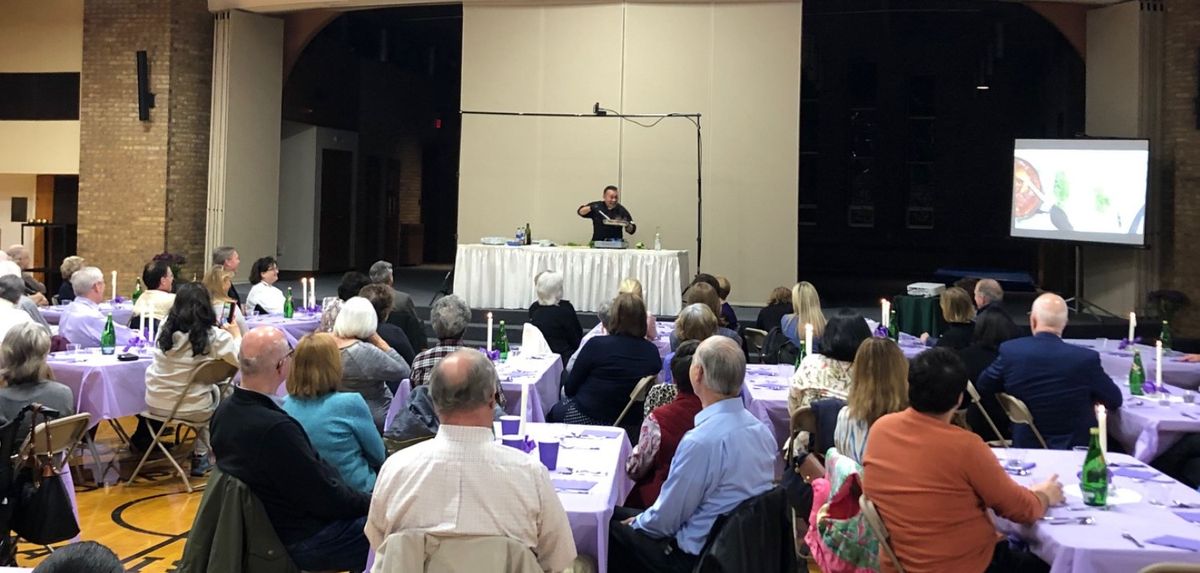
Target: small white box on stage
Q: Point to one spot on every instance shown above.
(926, 289)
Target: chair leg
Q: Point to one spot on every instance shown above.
(163, 448)
(100, 470)
(182, 474)
(121, 433)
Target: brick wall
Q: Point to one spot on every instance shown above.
(1181, 156)
(142, 185)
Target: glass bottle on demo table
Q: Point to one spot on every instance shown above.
(1137, 374)
(1165, 335)
(1094, 477)
(893, 327)
(502, 341)
(108, 338)
(289, 308)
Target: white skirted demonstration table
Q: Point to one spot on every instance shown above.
(489, 276)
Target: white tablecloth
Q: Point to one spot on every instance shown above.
(502, 277)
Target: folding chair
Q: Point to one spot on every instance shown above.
(1171, 568)
(66, 434)
(207, 373)
(977, 401)
(637, 395)
(875, 524)
(755, 341)
(1019, 413)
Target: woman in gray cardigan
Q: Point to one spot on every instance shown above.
(368, 363)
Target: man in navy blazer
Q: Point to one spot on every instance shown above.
(1059, 382)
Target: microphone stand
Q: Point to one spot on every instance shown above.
(599, 112)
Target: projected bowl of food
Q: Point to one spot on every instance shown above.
(1027, 189)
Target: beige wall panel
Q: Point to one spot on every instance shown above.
(40, 147)
(16, 186)
(42, 36)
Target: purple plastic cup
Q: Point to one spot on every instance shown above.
(510, 425)
(548, 453)
(513, 441)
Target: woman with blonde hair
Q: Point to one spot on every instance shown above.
(879, 387)
(806, 309)
(702, 293)
(958, 308)
(218, 282)
(66, 293)
(634, 287)
(339, 424)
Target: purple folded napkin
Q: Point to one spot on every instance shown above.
(572, 484)
(1192, 516)
(1134, 473)
(1176, 542)
(599, 434)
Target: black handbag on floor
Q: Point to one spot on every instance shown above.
(44, 512)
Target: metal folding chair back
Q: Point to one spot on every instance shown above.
(877, 527)
(1019, 413)
(64, 433)
(755, 340)
(637, 395)
(978, 402)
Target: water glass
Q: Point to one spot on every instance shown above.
(1189, 397)
(1102, 343)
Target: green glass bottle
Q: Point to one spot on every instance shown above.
(1165, 335)
(289, 308)
(893, 327)
(108, 338)
(800, 354)
(1094, 478)
(137, 289)
(502, 341)
(528, 235)
(1137, 374)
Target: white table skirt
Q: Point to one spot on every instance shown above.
(502, 277)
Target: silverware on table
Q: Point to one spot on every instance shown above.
(1188, 416)
(1085, 520)
(1130, 537)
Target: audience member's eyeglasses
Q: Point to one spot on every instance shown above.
(286, 357)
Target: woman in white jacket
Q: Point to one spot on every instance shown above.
(264, 295)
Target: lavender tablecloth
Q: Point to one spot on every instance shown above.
(1099, 548)
(603, 459)
(103, 386)
(296, 327)
(121, 313)
(1116, 362)
(1146, 427)
(765, 394)
(540, 373)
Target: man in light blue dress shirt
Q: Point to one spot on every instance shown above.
(82, 322)
(726, 459)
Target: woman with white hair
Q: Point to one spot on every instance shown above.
(555, 317)
(368, 363)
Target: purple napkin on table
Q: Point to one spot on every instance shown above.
(573, 484)
(1192, 516)
(1176, 542)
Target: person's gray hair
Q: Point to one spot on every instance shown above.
(450, 316)
(23, 353)
(1051, 312)
(602, 313)
(989, 290)
(17, 251)
(84, 279)
(266, 359)
(381, 272)
(222, 254)
(70, 265)
(357, 319)
(723, 363)
(12, 288)
(549, 286)
(477, 390)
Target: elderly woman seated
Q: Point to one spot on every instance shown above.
(23, 354)
(69, 266)
(555, 317)
(449, 316)
(608, 367)
(383, 299)
(189, 336)
(695, 322)
(339, 424)
(368, 362)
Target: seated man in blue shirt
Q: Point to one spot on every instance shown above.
(82, 322)
(1059, 382)
(727, 458)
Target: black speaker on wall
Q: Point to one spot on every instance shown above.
(145, 98)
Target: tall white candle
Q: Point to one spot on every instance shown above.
(489, 332)
(524, 404)
(808, 336)
(142, 325)
(153, 338)
(1132, 325)
(312, 292)
(885, 312)
(303, 292)
(114, 283)
(1102, 423)
(1158, 358)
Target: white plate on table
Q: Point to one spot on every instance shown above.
(1116, 495)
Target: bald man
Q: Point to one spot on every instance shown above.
(1060, 382)
(317, 516)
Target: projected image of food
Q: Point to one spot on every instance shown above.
(1027, 189)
